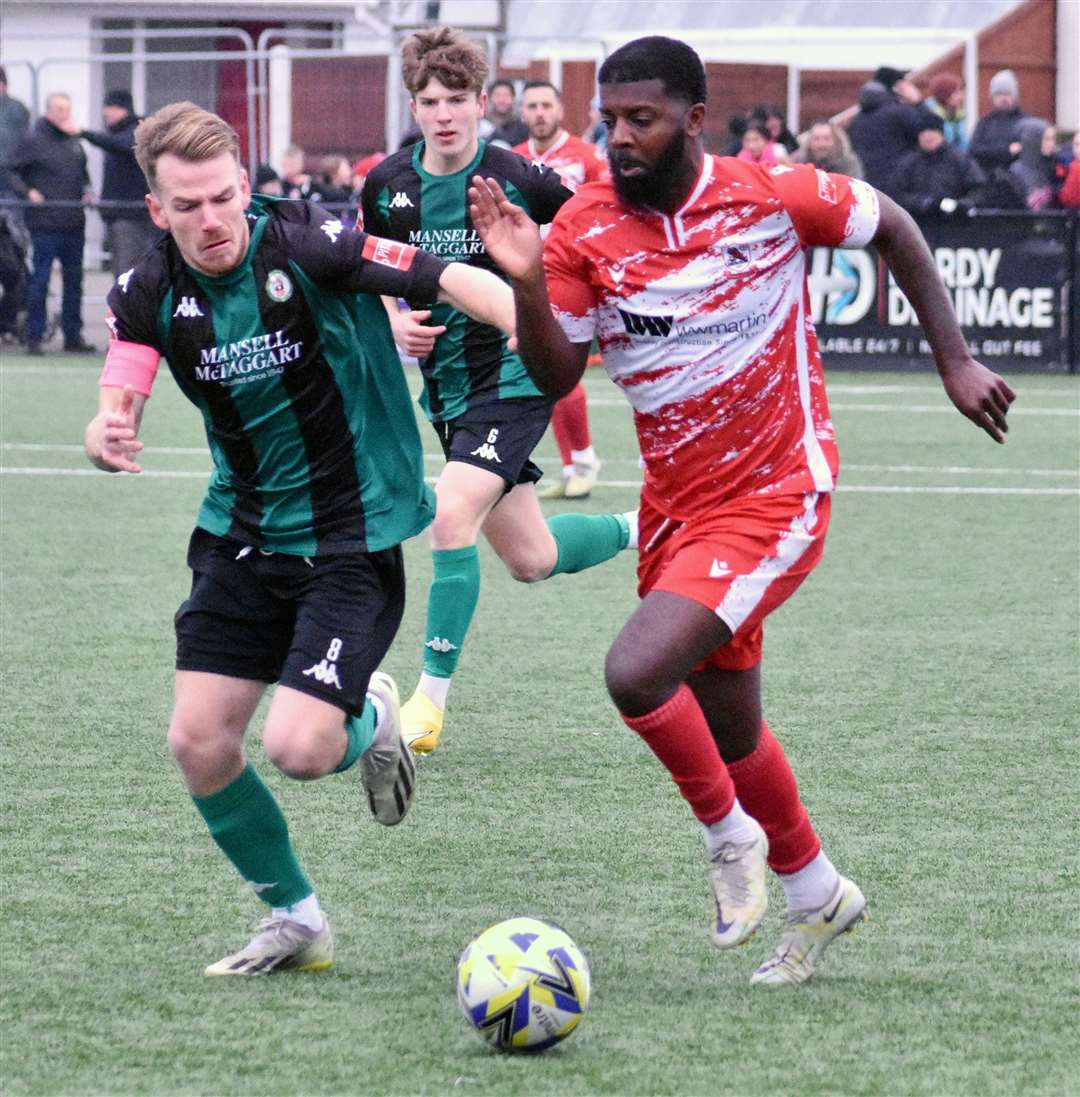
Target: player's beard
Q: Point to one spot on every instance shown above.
(654, 187)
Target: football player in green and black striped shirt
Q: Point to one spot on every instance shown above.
(269, 315)
(488, 414)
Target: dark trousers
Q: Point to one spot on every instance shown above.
(127, 242)
(48, 247)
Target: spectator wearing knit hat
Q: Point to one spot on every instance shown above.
(937, 177)
(993, 136)
(946, 100)
(128, 229)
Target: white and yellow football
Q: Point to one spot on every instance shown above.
(523, 984)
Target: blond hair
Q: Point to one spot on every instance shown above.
(446, 55)
(186, 131)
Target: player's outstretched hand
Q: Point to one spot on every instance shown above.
(412, 334)
(982, 396)
(510, 237)
(111, 440)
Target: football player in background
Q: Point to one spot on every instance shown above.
(488, 414)
(578, 163)
(270, 318)
(691, 271)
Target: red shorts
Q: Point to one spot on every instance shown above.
(742, 559)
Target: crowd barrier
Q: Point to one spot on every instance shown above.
(1013, 277)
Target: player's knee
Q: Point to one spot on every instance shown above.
(199, 753)
(299, 753)
(529, 569)
(633, 687)
(452, 528)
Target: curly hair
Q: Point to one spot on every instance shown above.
(446, 55)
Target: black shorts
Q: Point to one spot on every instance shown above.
(318, 624)
(499, 437)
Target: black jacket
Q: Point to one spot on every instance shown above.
(124, 180)
(53, 163)
(923, 179)
(992, 137)
(882, 132)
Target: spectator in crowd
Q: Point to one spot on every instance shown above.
(1068, 173)
(296, 182)
(1032, 173)
(50, 167)
(946, 100)
(507, 128)
(775, 123)
(994, 135)
(736, 127)
(267, 181)
(361, 169)
(595, 132)
(14, 124)
(335, 180)
(937, 177)
(759, 148)
(128, 228)
(886, 127)
(828, 147)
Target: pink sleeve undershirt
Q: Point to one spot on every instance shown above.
(131, 364)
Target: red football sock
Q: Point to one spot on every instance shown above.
(570, 423)
(678, 734)
(767, 790)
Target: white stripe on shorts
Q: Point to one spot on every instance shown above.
(747, 591)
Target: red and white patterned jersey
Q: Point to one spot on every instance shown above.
(571, 157)
(703, 321)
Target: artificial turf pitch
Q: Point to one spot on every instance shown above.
(924, 682)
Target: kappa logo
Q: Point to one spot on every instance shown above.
(333, 229)
(401, 201)
(123, 280)
(188, 308)
(438, 643)
(486, 449)
(325, 671)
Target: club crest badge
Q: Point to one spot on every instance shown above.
(278, 285)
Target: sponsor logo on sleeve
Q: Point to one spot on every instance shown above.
(390, 253)
(826, 187)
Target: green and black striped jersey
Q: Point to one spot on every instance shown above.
(470, 364)
(292, 363)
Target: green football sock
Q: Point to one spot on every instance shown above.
(455, 589)
(246, 822)
(359, 731)
(585, 540)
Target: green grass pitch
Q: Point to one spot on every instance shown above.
(924, 682)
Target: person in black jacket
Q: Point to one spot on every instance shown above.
(884, 130)
(993, 140)
(128, 229)
(49, 171)
(937, 176)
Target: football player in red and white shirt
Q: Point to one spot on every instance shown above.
(691, 272)
(578, 163)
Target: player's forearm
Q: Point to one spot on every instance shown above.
(479, 294)
(903, 248)
(554, 363)
(96, 440)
